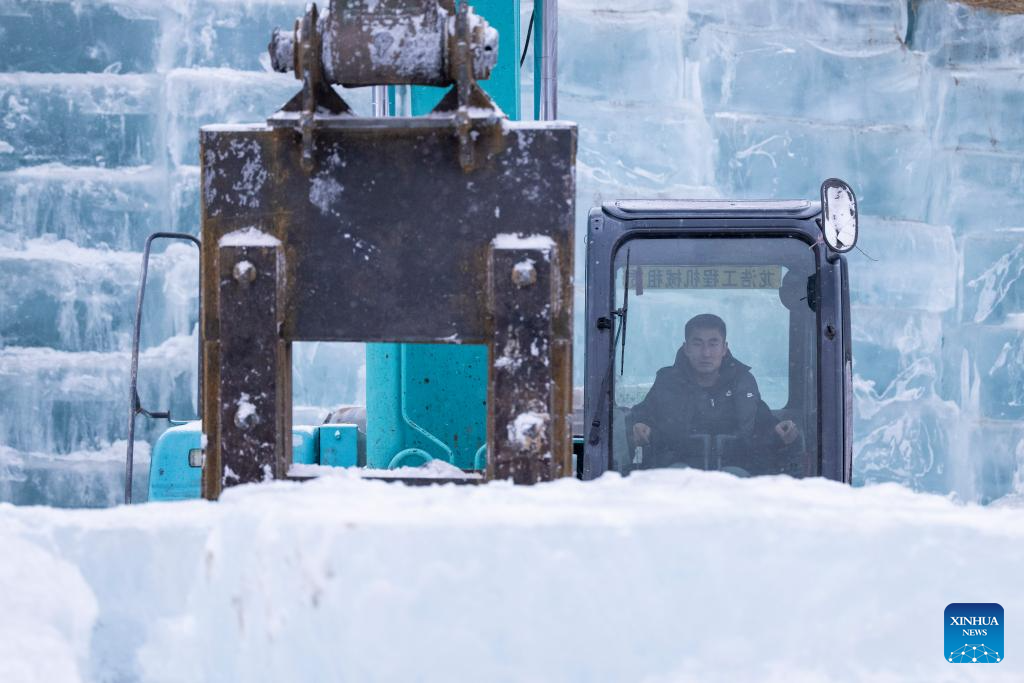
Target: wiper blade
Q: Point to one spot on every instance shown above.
(623, 312)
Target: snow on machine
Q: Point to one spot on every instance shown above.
(443, 239)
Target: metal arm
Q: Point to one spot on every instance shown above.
(135, 405)
(549, 60)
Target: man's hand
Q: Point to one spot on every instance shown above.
(787, 431)
(641, 434)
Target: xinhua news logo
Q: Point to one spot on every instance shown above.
(974, 633)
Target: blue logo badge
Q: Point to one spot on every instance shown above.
(974, 633)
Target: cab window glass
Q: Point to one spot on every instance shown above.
(692, 400)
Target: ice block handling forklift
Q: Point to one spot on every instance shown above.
(442, 237)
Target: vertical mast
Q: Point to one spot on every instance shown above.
(549, 60)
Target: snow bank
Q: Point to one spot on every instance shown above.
(433, 469)
(664, 576)
(44, 633)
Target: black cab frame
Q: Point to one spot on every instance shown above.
(705, 251)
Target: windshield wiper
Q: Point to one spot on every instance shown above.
(623, 312)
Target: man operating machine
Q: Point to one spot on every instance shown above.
(705, 395)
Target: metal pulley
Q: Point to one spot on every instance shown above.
(385, 42)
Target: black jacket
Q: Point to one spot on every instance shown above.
(677, 407)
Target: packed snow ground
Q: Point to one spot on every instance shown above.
(667, 576)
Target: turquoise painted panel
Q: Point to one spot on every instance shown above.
(446, 394)
(304, 445)
(171, 477)
(384, 433)
(503, 85)
(431, 397)
(438, 404)
(339, 445)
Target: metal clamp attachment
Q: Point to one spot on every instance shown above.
(388, 42)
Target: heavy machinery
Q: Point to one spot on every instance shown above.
(456, 227)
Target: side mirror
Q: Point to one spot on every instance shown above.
(838, 215)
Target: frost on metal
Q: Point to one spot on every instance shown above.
(244, 270)
(529, 431)
(253, 173)
(246, 410)
(507, 240)
(406, 47)
(510, 358)
(324, 191)
(525, 268)
(245, 191)
(249, 237)
(514, 354)
(399, 46)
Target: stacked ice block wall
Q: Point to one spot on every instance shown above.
(100, 108)
(920, 106)
(917, 104)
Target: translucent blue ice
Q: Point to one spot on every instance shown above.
(916, 104)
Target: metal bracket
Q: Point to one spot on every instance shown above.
(387, 239)
(529, 395)
(464, 52)
(375, 230)
(253, 368)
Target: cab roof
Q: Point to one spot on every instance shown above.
(636, 209)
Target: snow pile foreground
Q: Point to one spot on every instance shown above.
(668, 576)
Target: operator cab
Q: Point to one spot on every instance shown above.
(769, 391)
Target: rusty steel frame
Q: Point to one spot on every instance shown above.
(451, 228)
(388, 237)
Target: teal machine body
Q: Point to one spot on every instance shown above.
(423, 401)
(176, 467)
(427, 401)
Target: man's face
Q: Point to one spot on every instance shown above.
(705, 350)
